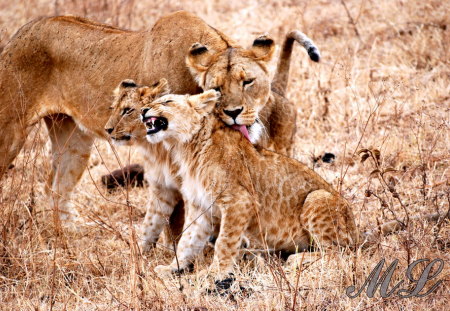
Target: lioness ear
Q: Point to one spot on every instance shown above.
(204, 102)
(198, 58)
(127, 83)
(263, 48)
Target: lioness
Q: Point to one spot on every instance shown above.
(63, 69)
(275, 200)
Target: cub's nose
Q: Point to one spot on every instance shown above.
(109, 130)
(233, 113)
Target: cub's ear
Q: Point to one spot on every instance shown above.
(124, 84)
(199, 58)
(158, 89)
(263, 48)
(204, 102)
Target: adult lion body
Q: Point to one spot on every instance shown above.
(64, 69)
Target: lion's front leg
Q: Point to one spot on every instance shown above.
(71, 149)
(198, 227)
(234, 221)
(160, 206)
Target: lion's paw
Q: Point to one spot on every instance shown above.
(165, 272)
(215, 281)
(146, 246)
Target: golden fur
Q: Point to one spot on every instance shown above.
(165, 204)
(274, 200)
(63, 69)
(247, 95)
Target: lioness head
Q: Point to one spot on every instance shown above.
(177, 117)
(241, 77)
(124, 125)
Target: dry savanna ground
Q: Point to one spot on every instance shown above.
(383, 84)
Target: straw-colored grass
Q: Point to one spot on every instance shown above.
(383, 83)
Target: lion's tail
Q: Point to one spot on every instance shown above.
(281, 77)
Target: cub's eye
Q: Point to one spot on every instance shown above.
(248, 82)
(127, 111)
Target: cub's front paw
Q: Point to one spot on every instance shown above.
(215, 280)
(165, 272)
(220, 285)
(146, 246)
(225, 283)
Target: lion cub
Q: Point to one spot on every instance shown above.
(125, 128)
(274, 200)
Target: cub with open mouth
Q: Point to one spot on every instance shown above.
(157, 121)
(124, 127)
(276, 201)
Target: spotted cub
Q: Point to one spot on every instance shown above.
(276, 201)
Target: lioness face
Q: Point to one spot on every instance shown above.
(243, 84)
(124, 125)
(177, 117)
(241, 77)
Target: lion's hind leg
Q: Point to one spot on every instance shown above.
(329, 220)
(71, 149)
(12, 140)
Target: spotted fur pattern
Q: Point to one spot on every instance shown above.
(276, 201)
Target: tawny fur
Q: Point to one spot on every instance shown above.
(274, 200)
(64, 68)
(165, 200)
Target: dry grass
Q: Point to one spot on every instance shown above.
(384, 83)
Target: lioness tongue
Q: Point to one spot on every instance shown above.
(242, 129)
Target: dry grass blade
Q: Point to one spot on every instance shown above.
(383, 81)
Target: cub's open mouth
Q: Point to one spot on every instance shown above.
(155, 124)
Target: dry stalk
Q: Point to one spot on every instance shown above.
(351, 20)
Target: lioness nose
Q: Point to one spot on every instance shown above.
(233, 113)
(109, 130)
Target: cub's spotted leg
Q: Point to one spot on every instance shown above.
(71, 149)
(235, 216)
(198, 227)
(328, 219)
(160, 207)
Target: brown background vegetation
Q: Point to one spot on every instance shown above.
(383, 83)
